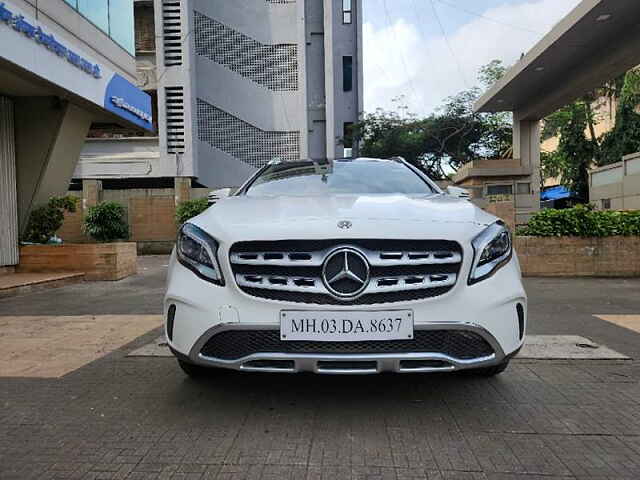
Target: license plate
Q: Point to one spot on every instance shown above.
(346, 326)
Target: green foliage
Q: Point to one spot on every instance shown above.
(575, 153)
(582, 221)
(106, 222)
(444, 140)
(189, 209)
(624, 139)
(46, 220)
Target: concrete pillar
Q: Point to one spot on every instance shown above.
(182, 189)
(91, 193)
(526, 149)
(8, 196)
(50, 134)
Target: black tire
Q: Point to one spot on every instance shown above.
(195, 371)
(492, 371)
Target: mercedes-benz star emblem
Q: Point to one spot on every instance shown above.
(345, 273)
(345, 224)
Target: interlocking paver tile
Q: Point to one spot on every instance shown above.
(136, 418)
(512, 453)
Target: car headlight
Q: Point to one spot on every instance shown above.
(492, 250)
(198, 251)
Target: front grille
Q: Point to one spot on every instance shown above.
(400, 270)
(236, 344)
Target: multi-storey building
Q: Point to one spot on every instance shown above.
(243, 82)
(65, 67)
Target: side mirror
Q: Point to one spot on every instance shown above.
(216, 195)
(458, 192)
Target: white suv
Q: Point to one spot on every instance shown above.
(344, 267)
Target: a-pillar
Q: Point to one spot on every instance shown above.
(182, 189)
(526, 149)
(50, 134)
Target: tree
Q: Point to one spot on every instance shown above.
(579, 147)
(624, 139)
(575, 153)
(444, 140)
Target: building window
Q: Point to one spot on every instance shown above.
(499, 190)
(606, 204)
(347, 12)
(347, 73)
(113, 17)
(523, 189)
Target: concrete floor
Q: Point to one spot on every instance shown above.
(120, 417)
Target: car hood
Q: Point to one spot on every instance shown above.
(371, 216)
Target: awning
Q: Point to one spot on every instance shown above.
(555, 193)
(596, 42)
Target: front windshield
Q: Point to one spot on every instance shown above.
(361, 176)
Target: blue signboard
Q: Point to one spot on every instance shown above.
(127, 101)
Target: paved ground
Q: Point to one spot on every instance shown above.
(135, 418)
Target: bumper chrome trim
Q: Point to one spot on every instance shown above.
(387, 362)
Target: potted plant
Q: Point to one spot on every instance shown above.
(111, 258)
(47, 219)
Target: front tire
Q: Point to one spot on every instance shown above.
(194, 371)
(493, 370)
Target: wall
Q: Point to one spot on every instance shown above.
(99, 261)
(618, 183)
(150, 216)
(145, 29)
(504, 210)
(579, 257)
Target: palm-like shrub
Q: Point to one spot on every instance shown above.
(106, 222)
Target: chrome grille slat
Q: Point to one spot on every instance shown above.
(402, 283)
(375, 258)
(265, 283)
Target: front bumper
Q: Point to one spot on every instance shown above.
(361, 363)
(487, 309)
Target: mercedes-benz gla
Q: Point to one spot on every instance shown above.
(344, 267)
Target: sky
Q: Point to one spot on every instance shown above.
(427, 50)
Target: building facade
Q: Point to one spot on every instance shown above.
(241, 83)
(616, 186)
(65, 66)
(489, 181)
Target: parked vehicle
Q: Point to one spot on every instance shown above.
(344, 267)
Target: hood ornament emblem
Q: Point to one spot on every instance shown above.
(345, 224)
(345, 273)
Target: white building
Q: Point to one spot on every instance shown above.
(243, 82)
(64, 67)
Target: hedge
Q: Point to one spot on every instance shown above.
(189, 209)
(582, 221)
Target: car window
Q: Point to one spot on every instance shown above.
(338, 177)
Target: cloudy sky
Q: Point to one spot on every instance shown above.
(426, 50)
